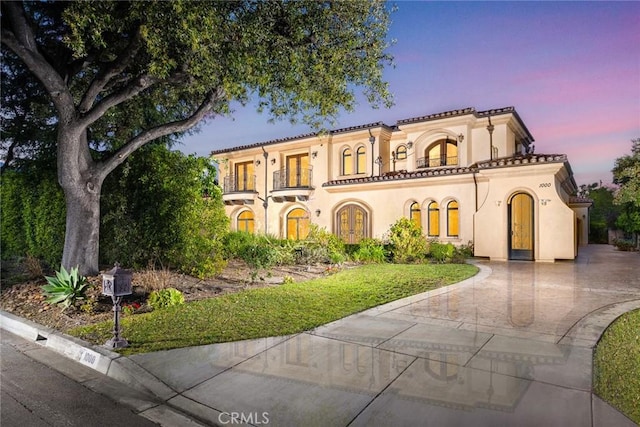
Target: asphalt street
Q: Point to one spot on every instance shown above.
(34, 394)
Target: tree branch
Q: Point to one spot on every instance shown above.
(141, 139)
(110, 71)
(19, 37)
(134, 88)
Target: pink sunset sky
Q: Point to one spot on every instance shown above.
(571, 70)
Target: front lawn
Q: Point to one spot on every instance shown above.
(617, 365)
(276, 311)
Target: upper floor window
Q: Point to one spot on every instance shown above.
(347, 162)
(361, 160)
(441, 153)
(401, 152)
(245, 178)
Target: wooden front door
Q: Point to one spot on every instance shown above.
(521, 227)
(352, 224)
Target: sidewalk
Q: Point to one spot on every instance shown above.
(510, 346)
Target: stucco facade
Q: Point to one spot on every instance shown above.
(463, 175)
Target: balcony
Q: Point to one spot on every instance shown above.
(292, 184)
(239, 190)
(436, 162)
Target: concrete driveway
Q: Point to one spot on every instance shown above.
(510, 346)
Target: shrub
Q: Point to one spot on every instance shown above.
(319, 246)
(370, 250)
(624, 245)
(258, 251)
(161, 205)
(235, 241)
(441, 252)
(152, 279)
(65, 288)
(165, 298)
(408, 244)
(33, 214)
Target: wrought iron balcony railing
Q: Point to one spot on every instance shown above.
(239, 184)
(434, 162)
(292, 178)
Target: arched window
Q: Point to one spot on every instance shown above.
(361, 160)
(452, 219)
(434, 220)
(414, 214)
(401, 152)
(347, 162)
(245, 221)
(442, 153)
(297, 224)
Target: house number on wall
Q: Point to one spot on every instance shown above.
(545, 184)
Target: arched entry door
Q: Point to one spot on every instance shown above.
(521, 227)
(352, 224)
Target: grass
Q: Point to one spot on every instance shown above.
(275, 311)
(617, 365)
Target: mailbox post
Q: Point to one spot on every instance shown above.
(116, 283)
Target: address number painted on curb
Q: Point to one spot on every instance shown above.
(89, 358)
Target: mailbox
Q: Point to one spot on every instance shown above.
(117, 282)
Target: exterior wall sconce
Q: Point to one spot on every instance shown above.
(257, 162)
(273, 161)
(372, 140)
(544, 201)
(409, 145)
(314, 154)
(498, 203)
(318, 212)
(460, 138)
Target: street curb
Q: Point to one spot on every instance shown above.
(102, 360)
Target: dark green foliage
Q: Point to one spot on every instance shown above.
(65, 288)
(154, 210)
(408, 244)
(33, 214)
(603, 213)
(626, 174)
(370, 250)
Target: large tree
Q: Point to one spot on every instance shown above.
(122, 74)
(626, 174)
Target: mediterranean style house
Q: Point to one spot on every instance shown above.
(465, 176)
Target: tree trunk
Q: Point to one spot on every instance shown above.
(81, 179)
(82, 236)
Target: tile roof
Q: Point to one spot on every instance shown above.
(517, 160)
(437, 116)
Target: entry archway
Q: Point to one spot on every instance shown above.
(352, 224)
(520, 227)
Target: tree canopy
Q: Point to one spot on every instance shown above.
(626, 174)
(118, 75)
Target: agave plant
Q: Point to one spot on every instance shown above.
(65, 288)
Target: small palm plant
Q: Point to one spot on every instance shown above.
(65, 288)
